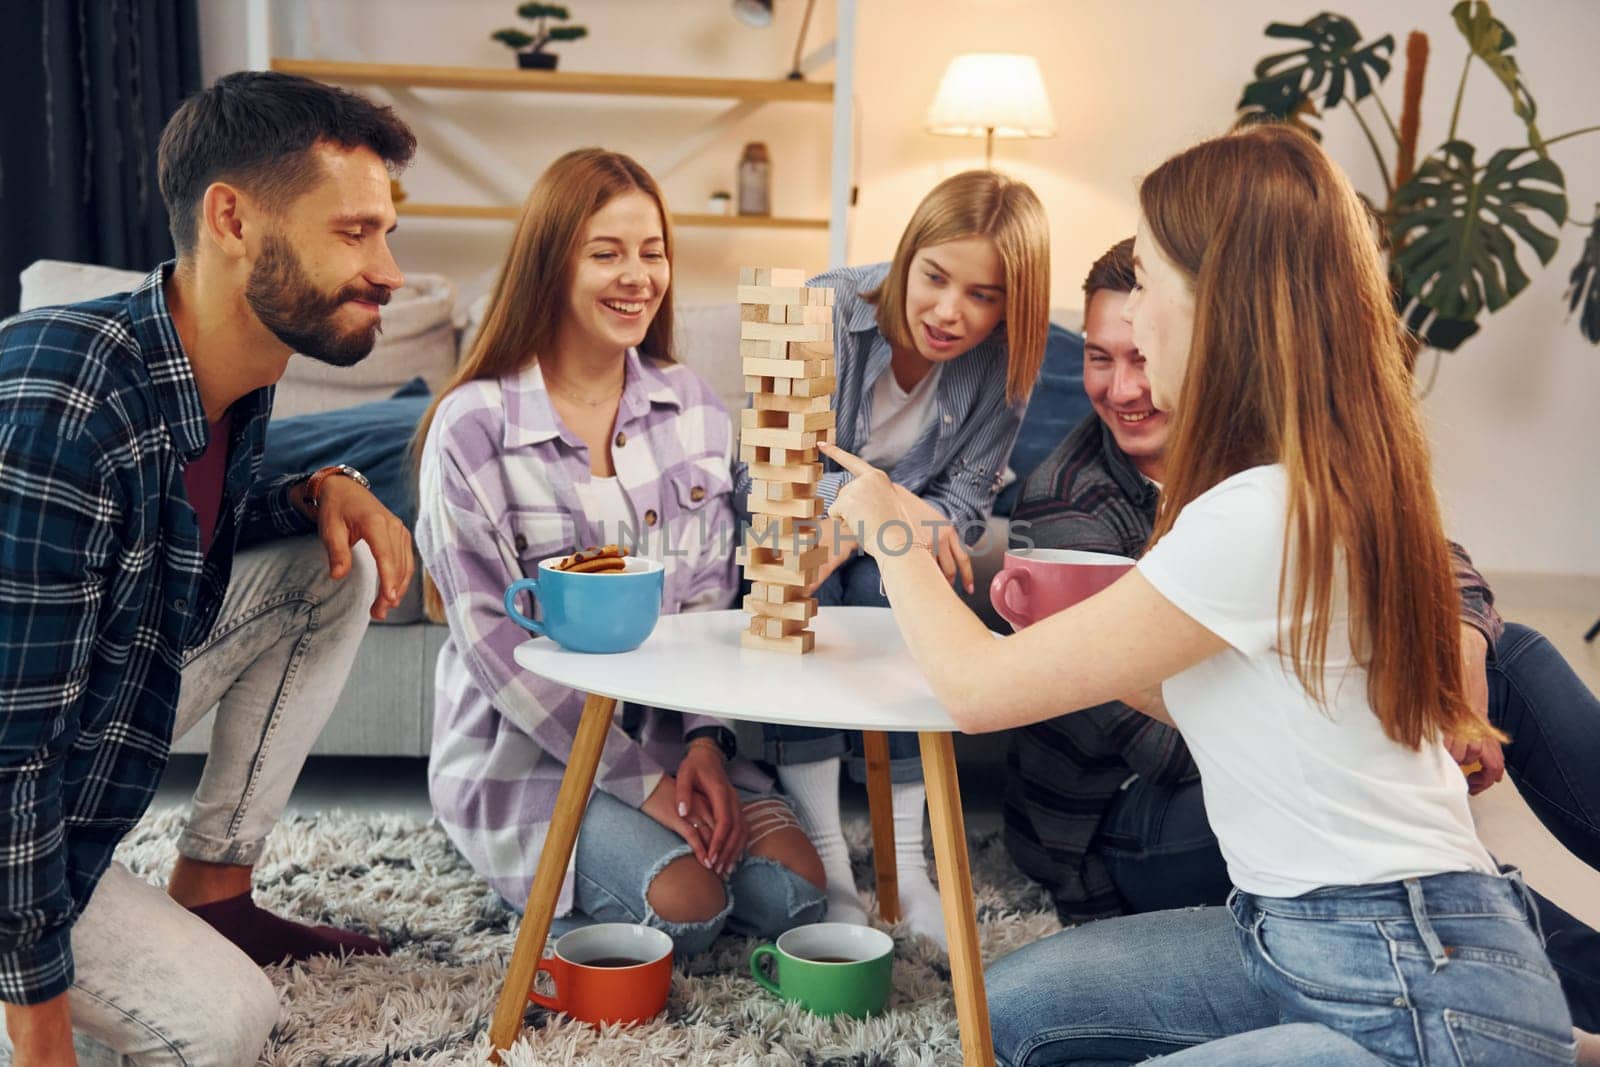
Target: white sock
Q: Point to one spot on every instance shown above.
(919, 900)
(813, 788)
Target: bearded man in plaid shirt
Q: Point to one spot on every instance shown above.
(146, 574)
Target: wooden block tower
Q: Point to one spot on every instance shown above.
(786, 347)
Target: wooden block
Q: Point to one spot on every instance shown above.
(759, 418)
(768, 527)
(799, 644)
(787, 368)
(819, 296)
(803, 421)
(782, 490)
(786, 594)
(763, 313)
(808, 560)
(775, 575)
(756, 385)
(785, 276)
(772, 294)
(812, 386)
(793, 457)
(803, 404)
(799, 473)
(774, 627)
(803, 609)
(800, 508)
(747, 275)
(764, 559)
(792, 332)
(763, 348)
(780, 438)
(807, 313)
(810, 350)
(777, 595)
(761, 276)
(757, 556)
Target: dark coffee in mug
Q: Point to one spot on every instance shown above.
(830, 959)
(612, 961)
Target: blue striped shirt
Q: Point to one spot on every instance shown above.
(104, 587)
(959, 461)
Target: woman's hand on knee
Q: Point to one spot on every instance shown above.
(702, 776)
(694, 825)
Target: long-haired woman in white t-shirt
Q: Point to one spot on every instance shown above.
(1295, 617)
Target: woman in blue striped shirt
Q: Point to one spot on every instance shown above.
(936, 353)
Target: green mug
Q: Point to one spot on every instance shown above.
(829, 968)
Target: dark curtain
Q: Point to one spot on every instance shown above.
(87, 87)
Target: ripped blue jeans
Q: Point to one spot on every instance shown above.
(621, 850)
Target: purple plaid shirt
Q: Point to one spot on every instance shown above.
(500, 487)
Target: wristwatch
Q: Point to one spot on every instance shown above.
(314, 483)
(725, 738)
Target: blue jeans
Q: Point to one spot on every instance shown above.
(854, 584)
(1446, 969)
(621, 850)
(1158, 847)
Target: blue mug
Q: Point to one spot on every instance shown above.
(611, 612)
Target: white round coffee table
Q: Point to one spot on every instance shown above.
(859, 676)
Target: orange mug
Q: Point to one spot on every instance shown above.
(1038, 582)
(608, 973)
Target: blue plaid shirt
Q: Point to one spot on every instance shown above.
(103, 587)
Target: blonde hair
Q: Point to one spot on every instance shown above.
(529, 297)
(1296, 359)
(981, 203)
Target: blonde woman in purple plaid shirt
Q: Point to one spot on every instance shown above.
(569, 424)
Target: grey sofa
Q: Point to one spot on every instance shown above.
(386, 708)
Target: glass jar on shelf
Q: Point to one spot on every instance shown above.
(755, 180)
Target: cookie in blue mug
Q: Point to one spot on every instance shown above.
(607, 610)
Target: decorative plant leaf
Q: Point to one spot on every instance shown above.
(568, 33)
(1299, 114)
(511, 38)
(543, 11)
(1453, 225)
(1585, 284)
(1436, 330)
(1333, 57)
(1490, 40)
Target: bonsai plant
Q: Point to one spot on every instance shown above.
(530, 47)
(1453, 225)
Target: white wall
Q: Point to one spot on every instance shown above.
(1517, 439)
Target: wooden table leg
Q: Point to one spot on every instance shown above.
(881, 806)
(955, 893)
(571, 802)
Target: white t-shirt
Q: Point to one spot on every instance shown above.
(1300, 796)
(898, 417)
(606, 505)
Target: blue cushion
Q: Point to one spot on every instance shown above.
(1059, 403)
(374, 438)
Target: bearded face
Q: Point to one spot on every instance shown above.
(337, 328)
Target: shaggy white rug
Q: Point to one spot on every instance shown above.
(430, 1000)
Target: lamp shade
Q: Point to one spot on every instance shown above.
(991, 92)
(753, 12)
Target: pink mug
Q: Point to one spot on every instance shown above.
(1038, 582)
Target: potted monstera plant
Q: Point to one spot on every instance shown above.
(1456, 225)
(529, 47)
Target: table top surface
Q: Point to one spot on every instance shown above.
(859, 676)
